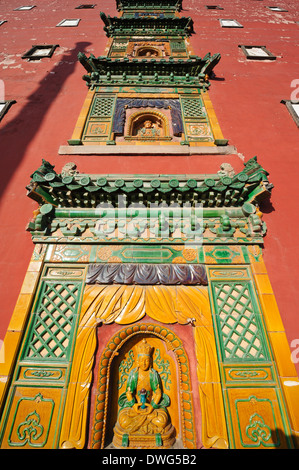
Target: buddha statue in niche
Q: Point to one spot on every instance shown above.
(148, 52)
(150, 128)
(143, 406)
(151, 54)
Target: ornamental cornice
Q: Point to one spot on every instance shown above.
(99, 208)
(115, 26)
(151, 5)
(250, 185)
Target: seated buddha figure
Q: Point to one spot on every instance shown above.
(143, 406)
(149, 129)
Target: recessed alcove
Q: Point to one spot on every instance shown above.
(148, 125)
(148, 51)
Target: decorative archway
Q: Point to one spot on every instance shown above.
(127, 305)
(112, 350)
(148, 51)
(148, 124)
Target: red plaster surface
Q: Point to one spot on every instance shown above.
(246, 96)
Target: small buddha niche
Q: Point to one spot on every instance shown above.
(143, 419)
(148, 52)
(148, 127)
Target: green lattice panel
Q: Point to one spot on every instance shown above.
(102, 107)
(51, 332)
(240, 329)
(192, 108)
(178, 46)
(119, 45)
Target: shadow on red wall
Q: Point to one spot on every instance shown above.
(18, 133)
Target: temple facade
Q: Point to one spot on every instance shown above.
(148, 320)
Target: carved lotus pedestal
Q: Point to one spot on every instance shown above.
(139, 440)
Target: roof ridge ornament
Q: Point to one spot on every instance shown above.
(250, 185)
(220, 208)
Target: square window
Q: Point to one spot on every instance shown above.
(257, 52)
(214, 7)
(4, 107)
(71, 22)
(29, 7)
(230, 23)
(39, 52)
(276, 9)
(84, 6)
(293, 108)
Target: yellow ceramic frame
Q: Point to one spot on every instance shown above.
(73, 432)
(126, 305)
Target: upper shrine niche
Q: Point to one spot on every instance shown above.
(148, 49)
(147, 120)
(149, 88)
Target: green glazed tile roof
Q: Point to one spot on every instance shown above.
(141, 25)
(150, 5)
(82, 190)
(184, 71)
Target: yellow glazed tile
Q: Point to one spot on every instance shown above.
(247, 403)
(271, 312)
(291, 392)
(80, 123)
(201, 144)
(212, 116)
(263, 283)
(11, 348)
(282, 354)
(209, 373)
(21, 310)
(45, 403)
(35, 266)
(4, 383)
(295, 436)
(258, 267)
(30, 282)
(2, 355)
(77, 133)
